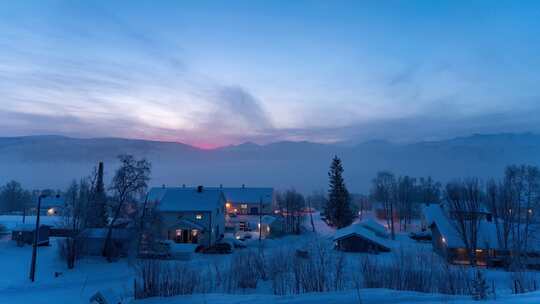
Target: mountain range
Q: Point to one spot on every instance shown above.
(54, 161)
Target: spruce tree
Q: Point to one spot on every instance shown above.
(98, 206)
(338, 208)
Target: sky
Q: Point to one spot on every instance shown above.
(214, 73)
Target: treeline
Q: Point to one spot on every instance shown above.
(16, 199)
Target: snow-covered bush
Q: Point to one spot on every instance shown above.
(165, 279)
(415, 271)
(245, 270)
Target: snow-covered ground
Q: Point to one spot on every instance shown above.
(363, 296)
(94, 274)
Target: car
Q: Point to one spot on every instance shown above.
(218, 248)
(236, 243)
(422, 236)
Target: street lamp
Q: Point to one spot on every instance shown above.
(36, 237)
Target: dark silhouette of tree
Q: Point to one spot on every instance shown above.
(130, 181)
(338, 208)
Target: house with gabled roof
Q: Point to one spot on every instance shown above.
(248, 200)
(448, 243)
(194, 215)
(358, 238)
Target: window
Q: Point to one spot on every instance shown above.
(198, 216)
(243, 206)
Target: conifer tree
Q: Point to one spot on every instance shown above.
(98, 204)
(338, 208)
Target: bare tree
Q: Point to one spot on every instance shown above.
(130, 181)
(291, 205)
(464, 201)
(429, 190)
(384, 191)
(406, 188)
(74, 217)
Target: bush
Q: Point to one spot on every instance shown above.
(164, 279)
(416, 272)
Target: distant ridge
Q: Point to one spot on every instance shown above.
(53, 161)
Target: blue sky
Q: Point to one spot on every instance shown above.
(212, 73)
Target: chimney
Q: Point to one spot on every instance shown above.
(199, 189)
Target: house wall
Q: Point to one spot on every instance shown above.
(358, 244)
(213, 223)
(94, 246)
(266, 208)
(436, 240)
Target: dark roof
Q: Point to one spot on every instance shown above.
(186, 199)
(249, 195)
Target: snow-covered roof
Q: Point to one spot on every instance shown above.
(374, 226)
(487, 233)
(186, 199)
(27, 227)
(361, 231)
(248, 195)
(101, 233)
(52, 201)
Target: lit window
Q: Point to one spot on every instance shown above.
(478, 250)
(228, 205)
(243, 206)
(178, 232)
(198, 216)
(194, 232)
(235, 210)
(443, 240)
(530, 211)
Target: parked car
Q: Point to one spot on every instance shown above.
(234, 242)
(422, 236)
(219, 248)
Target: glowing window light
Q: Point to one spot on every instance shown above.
(443, 239)
(228, 205)
(198, 216)
(178, 232)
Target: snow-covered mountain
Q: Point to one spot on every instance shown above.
(53, 161)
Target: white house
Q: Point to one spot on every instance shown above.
(52, 205)
(189, 215)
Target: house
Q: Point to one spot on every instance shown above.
(271, 226)
(25, 233)
(447, 242)
(93, 241)
(248, 201)
(357, 238)
(374, 226)
(52, 206)
(189, 215)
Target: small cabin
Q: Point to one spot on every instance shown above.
(93, 241)
(25, 233)
(356, 238)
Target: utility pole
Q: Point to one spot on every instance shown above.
(260, 218)
(36, 237)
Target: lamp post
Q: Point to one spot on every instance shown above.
(36, 237)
